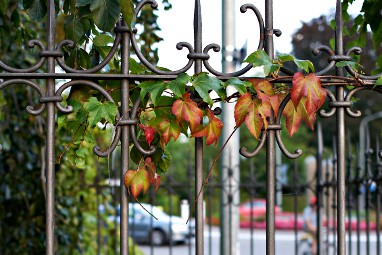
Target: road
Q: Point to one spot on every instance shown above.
(285, 244)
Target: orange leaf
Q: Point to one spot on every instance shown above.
(137, 181)
(294, 116)
(241, 108)
(168, 129)
(253, 112)
(150, 167)
(308, 87)
(211, 131)
(266, 93)
(187, 110)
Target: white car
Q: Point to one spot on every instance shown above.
(143, 227)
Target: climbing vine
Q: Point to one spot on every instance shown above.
(186, 106)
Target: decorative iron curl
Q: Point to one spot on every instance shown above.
(216, 47)
(94, 69)
(358, 51)
(31, 44)
(179, 46)
(277, 128)
(69, 109)
(332, 98)
(297, 152)
(31, 84)
(133, 117)
(332, 62)
(347, 104)
(244, 151)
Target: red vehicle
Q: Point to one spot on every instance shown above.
(256, 207)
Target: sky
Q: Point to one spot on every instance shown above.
(177, 25)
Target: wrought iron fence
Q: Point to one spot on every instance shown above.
(339, 186)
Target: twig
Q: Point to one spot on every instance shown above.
(210, 172)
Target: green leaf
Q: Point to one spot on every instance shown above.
(36, 9)
(75, 28)
(83, 2)
(378, 82)
(136, 68)
(165, 103)
(128, 12)
(80, 163)
(162, 160)
(260, 58)
(239, 85)
(105, 13)
(82, 152)
(285, 57)
(103, 50)
(305, 65)
(3, 6)
(353, 65)
(203, 84)
(178, 85)
(103, 40)
(154, 87)
(100, 111)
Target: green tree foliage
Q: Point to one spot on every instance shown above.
(89, 24)
(369, 19)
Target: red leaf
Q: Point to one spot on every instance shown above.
(187, 110)
(211, 131)
(137, 181)
(253, 112)
(310, 88)
(156, 181)
(149, 132)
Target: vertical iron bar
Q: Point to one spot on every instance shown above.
(341, 247)
(252, 196)
(327, 213)
(189, 196)
(318, 186)
(209, 212)
(367, 179)
(125, 153)
(98, 192)
(270, 154)
(356, 200)
(348, 193)
(378, 205)
(334, 188)
(295, 203)
(171, 213)
(199, 222)
(50, 136)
